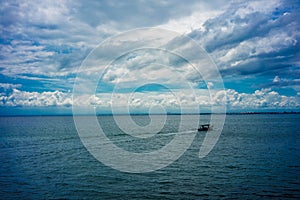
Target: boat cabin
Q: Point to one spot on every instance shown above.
(204, 127)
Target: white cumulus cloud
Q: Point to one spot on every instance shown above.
(173, 100)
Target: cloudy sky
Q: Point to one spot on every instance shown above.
(254, 44)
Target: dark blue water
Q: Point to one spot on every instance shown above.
(257, 156)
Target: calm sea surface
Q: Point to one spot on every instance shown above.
(257, 156)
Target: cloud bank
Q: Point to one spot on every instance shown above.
(263, 99)
(255, 45)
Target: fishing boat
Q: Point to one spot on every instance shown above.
(204, 127)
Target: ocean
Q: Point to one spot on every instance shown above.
(257, 156)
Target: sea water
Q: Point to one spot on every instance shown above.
(256, 156)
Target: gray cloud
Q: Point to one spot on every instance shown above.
(254, 37)
(131, 14)
(51, 38)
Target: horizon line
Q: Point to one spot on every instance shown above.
(137, 114)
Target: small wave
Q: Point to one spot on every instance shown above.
(175, 133)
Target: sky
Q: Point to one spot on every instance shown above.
(255, 46)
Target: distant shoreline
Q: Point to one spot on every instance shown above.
(141, 114)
